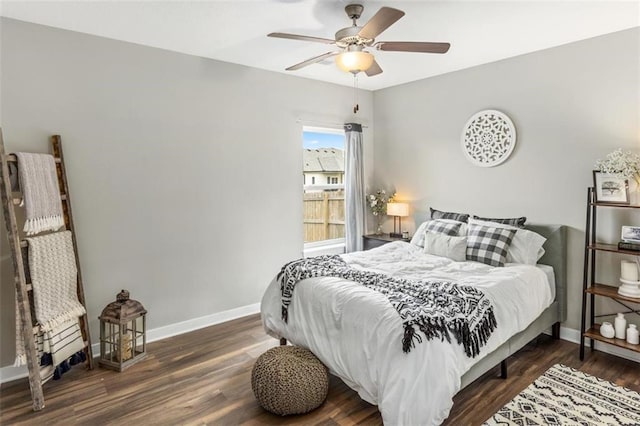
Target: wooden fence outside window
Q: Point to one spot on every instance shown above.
(323, 215)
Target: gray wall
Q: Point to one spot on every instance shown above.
(185, 172)
(571, 105)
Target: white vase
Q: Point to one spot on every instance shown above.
(606, 329)
(633, 336)
(620, 324)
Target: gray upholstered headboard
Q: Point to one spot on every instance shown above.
(555, 255)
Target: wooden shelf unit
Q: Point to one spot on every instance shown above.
(617, 206)
(611, 292)
(594, 334)
(592, 289)
(613, 248)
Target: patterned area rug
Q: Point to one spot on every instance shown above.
(566, 396)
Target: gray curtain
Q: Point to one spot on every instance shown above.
(354, 187)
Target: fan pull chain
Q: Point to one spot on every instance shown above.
(356, 107)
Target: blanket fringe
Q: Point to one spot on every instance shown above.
(20, 360)
(410, 338)
(40, 224)
(437, 328)
(61, 319)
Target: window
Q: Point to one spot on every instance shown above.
(323, 204)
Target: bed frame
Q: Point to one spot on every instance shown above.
(556, 256)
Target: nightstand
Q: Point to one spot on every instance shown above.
(372, 240)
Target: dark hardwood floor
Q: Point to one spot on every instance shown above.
(203, 377)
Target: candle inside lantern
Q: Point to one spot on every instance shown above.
(628, 270)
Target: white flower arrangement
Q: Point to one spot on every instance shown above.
(623, 164)
(378, 202)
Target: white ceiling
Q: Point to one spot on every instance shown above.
(235, 31)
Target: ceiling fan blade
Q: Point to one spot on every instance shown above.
(412, 46)
(382, 20)
(311, 61)
(301, 37)
(374, 69)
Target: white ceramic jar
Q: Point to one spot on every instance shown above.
(606, 329)
(620, 325)
(633, 336)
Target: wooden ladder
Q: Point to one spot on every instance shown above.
(10, 203)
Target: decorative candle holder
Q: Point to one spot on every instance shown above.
(629, 278)
(629, 288)
(123, 333)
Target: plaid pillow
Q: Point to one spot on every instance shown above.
(442, 227)
(437, 214)
(515, 221)
(488, 244)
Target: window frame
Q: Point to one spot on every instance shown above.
(335, 245)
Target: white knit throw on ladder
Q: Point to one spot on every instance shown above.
(52, 266)
(40, 191)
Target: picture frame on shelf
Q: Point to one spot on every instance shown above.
(610, 189)
(631, 234)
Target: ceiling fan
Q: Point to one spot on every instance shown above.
(354, 39)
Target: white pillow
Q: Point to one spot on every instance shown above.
(455, 248)
(418, 237)
(526, 246)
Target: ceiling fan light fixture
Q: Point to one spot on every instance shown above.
(354, 61)
(355, 38)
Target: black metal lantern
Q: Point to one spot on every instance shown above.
(123, 337)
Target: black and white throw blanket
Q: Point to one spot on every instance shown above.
(438, 309)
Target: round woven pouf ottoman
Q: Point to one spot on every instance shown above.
(289, 380)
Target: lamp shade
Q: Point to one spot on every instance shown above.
(354, 61)
(398, 209)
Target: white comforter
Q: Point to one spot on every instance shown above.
(357, 333)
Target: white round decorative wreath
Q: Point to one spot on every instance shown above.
(488, 138)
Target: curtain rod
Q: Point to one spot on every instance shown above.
(321, 123)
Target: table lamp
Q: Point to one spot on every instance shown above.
(398, 211)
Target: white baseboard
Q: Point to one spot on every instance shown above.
(197, 323)
(11, 373)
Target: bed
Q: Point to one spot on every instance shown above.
(356, 332)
